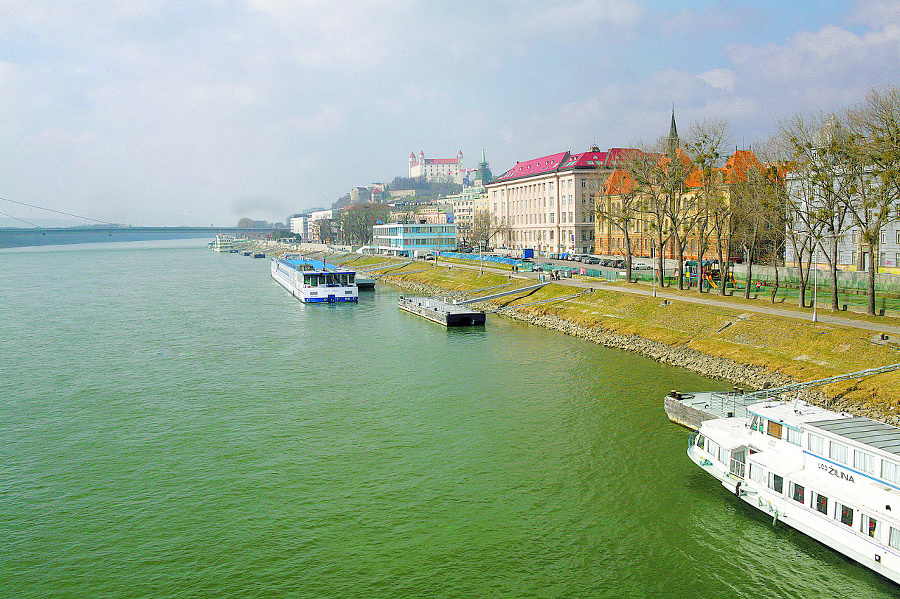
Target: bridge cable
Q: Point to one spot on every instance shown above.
(21, 219)
(56, 211)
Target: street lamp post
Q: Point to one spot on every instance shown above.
(815, 316)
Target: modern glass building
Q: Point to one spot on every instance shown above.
(407, 238)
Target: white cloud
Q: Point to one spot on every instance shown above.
(876, 13)
(584, 13)
(719, 78)
(828, 64)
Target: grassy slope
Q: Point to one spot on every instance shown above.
(800, 349)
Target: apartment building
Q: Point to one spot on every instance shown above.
(547, 204)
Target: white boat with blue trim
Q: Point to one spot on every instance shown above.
(314, 285)
(830, 475)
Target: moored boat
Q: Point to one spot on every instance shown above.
(223, 243)
(314, 285)
(830, 475)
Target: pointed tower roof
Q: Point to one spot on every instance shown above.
(673, 133)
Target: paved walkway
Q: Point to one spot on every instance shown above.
(706, 299)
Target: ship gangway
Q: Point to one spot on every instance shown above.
(691, 409)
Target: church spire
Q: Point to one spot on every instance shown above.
(673, 134)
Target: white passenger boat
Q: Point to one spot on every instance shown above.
(832, 476)
(311, 285)
(223, 243)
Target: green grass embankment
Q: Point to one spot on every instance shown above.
(800, 349)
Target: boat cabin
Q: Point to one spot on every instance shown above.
(831, 475)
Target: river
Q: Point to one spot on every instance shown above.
(174, 424)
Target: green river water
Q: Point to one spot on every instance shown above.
(175, 424)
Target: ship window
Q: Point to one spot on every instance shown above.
(757, 474)
(837, 452)
(776, 483)
(821, 503)
(894, 538)
(700, 441)
(816, 444)
(864, 462)
(890, 471)
(870, 526)
(793, 436)
(844, 514)
(713, 449)
(774, 429)
(798, 493)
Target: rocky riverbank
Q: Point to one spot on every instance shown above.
(743, 375)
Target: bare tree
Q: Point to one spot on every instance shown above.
(357, 222)
(619, 207)
(644, 169)
(680, 210)
(486, 227)
(705, 142)
(815, 211)
(757, 197)
(868, 161)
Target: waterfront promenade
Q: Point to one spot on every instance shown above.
(891, 326)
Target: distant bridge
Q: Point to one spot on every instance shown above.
(15, 237)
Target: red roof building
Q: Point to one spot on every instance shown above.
(434, 169)
(547, 203)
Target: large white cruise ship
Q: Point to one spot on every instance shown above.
(832, 476)
(312, 285)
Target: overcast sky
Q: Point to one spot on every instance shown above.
(198, 112)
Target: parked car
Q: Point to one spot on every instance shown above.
(591, 260)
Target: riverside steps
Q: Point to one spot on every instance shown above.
(441, 312)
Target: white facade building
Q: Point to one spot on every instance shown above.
(465, 206)
(300, 226)
(547, 204)
(436, 168)
(408, 238)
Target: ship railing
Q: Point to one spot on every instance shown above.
(729, 404)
